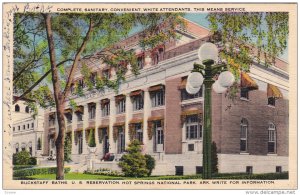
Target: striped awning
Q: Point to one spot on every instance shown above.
(78, 129)
(68, 111)
(103, 126)
(248, 82)
(136, 93)
(119, 124)
(119, 97)
(104, 101)
(79, 109)
(156, 87)
(273, 91)
(137, 120)
(183, 83)
(90, 127)
(191, 112)
(155, 118)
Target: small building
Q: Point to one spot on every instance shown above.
(28, 131)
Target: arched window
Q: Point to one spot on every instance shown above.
(244, 135)
(27, 109)
(17, 108)
(17, 147)
(271, 138)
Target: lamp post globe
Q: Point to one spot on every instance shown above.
(226, 79)
(218, 88)
(208, 51)
(195, 79)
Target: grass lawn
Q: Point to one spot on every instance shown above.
(81, 176)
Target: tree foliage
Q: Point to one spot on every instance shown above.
(92, 142)
(150, 163)
(249, 37)
(51, 47)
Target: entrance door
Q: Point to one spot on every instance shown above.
(105, 145)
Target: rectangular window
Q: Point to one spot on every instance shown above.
(243, 141)
(23, 126)
(178, 170)
(13, 128)
(19, 128)
(28, 126)
(69, 118)
(121, 106)
(138, 102)
(271, 141)
(249, 169)
(245, 93)
(278, 169)
(79, 116)
(81, 83)
(138, 132)
(92, 111)
(199, 169)
(191, 147)
(158, 142)
(271, 101)
(105, 109)
(186, 96)
(121, 140)
(158, 98)
(193, 128)
(141, 62)
(32, 125)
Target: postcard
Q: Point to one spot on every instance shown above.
(150, 96)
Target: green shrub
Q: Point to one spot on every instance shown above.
(133, 164)
(92, 142)
(18, 167)
(264, 176)
(150, 163)
(37, 171)
(32, 161)
(22, 158)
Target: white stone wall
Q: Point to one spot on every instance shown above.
(229, 163)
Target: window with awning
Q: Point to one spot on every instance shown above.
(79, 109)
(152, 121)
(156, 88)
(273, 93)
(190, 112)
(248, 82)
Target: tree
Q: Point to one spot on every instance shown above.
(214, 157)
(150, 163)
(133, 163)
(49, 47)
(92, 142)
(248, 37)
(68, 148)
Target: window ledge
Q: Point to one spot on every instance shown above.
(158, 107)
(271, 106)
(244, 153)
(138, 111)
(121, 114)
(244, 99)
(272, 154)
(191, 101)
(104, 117)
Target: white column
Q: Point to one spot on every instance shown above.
(147, 113)
(128, 117)
(85, 125)
(97, 124)
(74, 127)
(112, 119)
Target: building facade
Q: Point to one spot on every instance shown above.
(251, 132)
(28, 131)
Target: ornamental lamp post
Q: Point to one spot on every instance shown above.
(203, 74)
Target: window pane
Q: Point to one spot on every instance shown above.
(243, 145)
